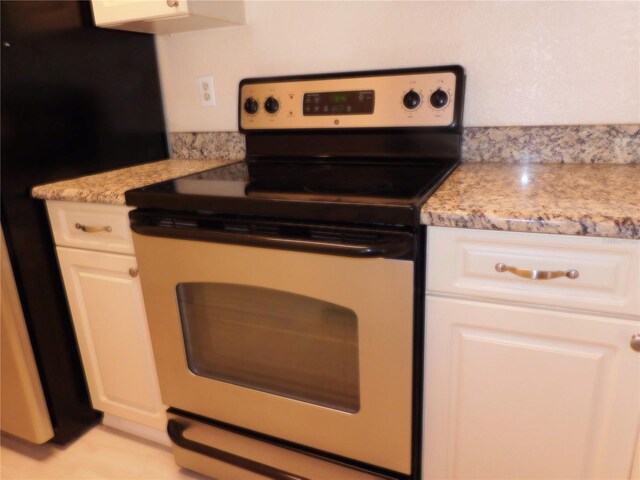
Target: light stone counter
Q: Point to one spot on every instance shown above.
(575, 199)
(109, 187)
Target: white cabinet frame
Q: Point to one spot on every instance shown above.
(518, 383)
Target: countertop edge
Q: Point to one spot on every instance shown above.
(597, 200)
(108, 188)
(625, 228)
(78, 195)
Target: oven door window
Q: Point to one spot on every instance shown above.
(273, 341)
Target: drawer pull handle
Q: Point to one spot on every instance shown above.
(635, 342)
(537, 274)
(176, 431)
(90, 229)
(133, 271)
(172, 3)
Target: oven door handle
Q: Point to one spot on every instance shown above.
(400, 246)
(176, 433)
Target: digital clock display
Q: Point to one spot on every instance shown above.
(358, 102)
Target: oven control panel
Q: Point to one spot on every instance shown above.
(401, 98)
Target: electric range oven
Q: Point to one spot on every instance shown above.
(285, 294)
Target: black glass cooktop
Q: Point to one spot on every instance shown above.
(323, 191)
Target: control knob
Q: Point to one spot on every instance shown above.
(271, 105)
(251, 105)
(411, 100)
(439, 98)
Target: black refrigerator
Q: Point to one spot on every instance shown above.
(76, 99)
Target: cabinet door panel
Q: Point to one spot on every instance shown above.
(513, 392)
(110, 323)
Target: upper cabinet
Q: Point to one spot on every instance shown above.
(167, 16)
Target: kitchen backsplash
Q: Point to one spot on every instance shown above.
(561, 144)
(224, 145)
(555, 144)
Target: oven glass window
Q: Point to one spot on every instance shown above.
(274, 341)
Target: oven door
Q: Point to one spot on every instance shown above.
(294, 343)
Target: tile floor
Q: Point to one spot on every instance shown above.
(102, 453)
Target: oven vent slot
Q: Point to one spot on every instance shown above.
(182, 223)
(252, 229)
(266, 230)
(167, 222)
(343, 237)
(291, 231)
(164, 222)
(299, 232)
(237, 228)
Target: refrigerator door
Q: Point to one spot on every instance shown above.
(24, 410)
(75, 100)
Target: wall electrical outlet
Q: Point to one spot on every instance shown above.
(207, 95)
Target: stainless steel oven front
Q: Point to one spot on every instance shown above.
(306, 341)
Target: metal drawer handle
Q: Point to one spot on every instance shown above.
(172, 3)
(90, 229)
(635, 342)
(537, 274)
(133, 271)
(176, 433)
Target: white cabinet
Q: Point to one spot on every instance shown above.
(91, 226)
(517, 392)
(167, 16)
(105, 299)
(463, 262)
(529, 390)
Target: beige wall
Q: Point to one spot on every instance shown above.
(527, 63)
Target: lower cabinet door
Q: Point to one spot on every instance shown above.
(514, 392)
(105, 299)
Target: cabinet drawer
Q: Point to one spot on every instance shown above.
(91, 226)
(463, 261)
(223, 454)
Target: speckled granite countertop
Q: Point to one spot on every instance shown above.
(109, 187)
(574, 199)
